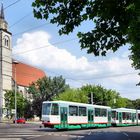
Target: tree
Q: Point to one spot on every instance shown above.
(107, 97)
(101, 95)
(45, 89)
(9, 97)
(74, 95)
(121, 102)
(137, 103)
(117, 22)
(28, 111)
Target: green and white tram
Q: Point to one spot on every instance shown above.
(125, 117)
(138, 117)
(72, 115)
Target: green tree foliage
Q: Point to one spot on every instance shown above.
(28, 111)
(44, 90)
(107, 97)
(101, 95)
(74, 95)
(115, 23)
(10, 102)
(121, 102)
(137, 103)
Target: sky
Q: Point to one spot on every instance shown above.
(37, 43)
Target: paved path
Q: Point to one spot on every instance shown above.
(32, 131)
(11, 131)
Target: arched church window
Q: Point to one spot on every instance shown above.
(6, 41)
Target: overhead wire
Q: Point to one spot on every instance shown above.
(44, 24)
(56, 43)
(21, 19)
(107, 76)
(12, 4)
(93, 78)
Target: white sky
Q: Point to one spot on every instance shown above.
(61, 55)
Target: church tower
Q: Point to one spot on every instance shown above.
(5, 60)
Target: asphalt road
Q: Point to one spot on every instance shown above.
(32, 131)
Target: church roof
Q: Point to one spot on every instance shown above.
(26, 74)
(2, 12)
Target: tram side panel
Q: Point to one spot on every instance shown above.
(138, 117)
(102, 116)
(124, 117)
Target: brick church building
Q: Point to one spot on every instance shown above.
(11, 72)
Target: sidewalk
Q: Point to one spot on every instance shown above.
(34, 122)
(4, 122)
(10, 124)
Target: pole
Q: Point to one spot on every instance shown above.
(15, 62)
(1, 98)
(15, 97)
(1, 92)
(91, 97)
(1, 81)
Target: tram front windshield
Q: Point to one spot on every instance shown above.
(46, 108)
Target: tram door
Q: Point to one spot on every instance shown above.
(109, 116)
(64, 116)
(133, 117)
(90, 117)
(120, 117)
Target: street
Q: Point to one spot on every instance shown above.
(32, 131)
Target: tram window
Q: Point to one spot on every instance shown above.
(54, 110)
(82, 111)
(128, 116)
(113, 114)
(124, 115)
(139, 116)
(116, 115)
(46, 108)
(97, 112)
(73, 110)
(103, 112)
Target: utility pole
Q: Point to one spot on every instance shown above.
(15, 97)
(1, 85)
(15, 63)
(91, 95)
(1, 94)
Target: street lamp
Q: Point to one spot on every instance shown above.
(15, 63)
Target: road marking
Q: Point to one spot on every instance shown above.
(11, 139)
(35, 137)
(89, 133)
(59, 135)
(56, 134)
(17, 136)
(125, 134)
(63, 135)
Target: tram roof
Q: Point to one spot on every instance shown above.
(76, 103)
(124, 110)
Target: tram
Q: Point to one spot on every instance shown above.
(125, 117)
(73, 115)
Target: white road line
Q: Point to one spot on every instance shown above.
(125, 134)
(11, 139)
(56, 134)
(17, 136)
(89, 133)
(80, 137)
(35, 137)
(63, 135)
